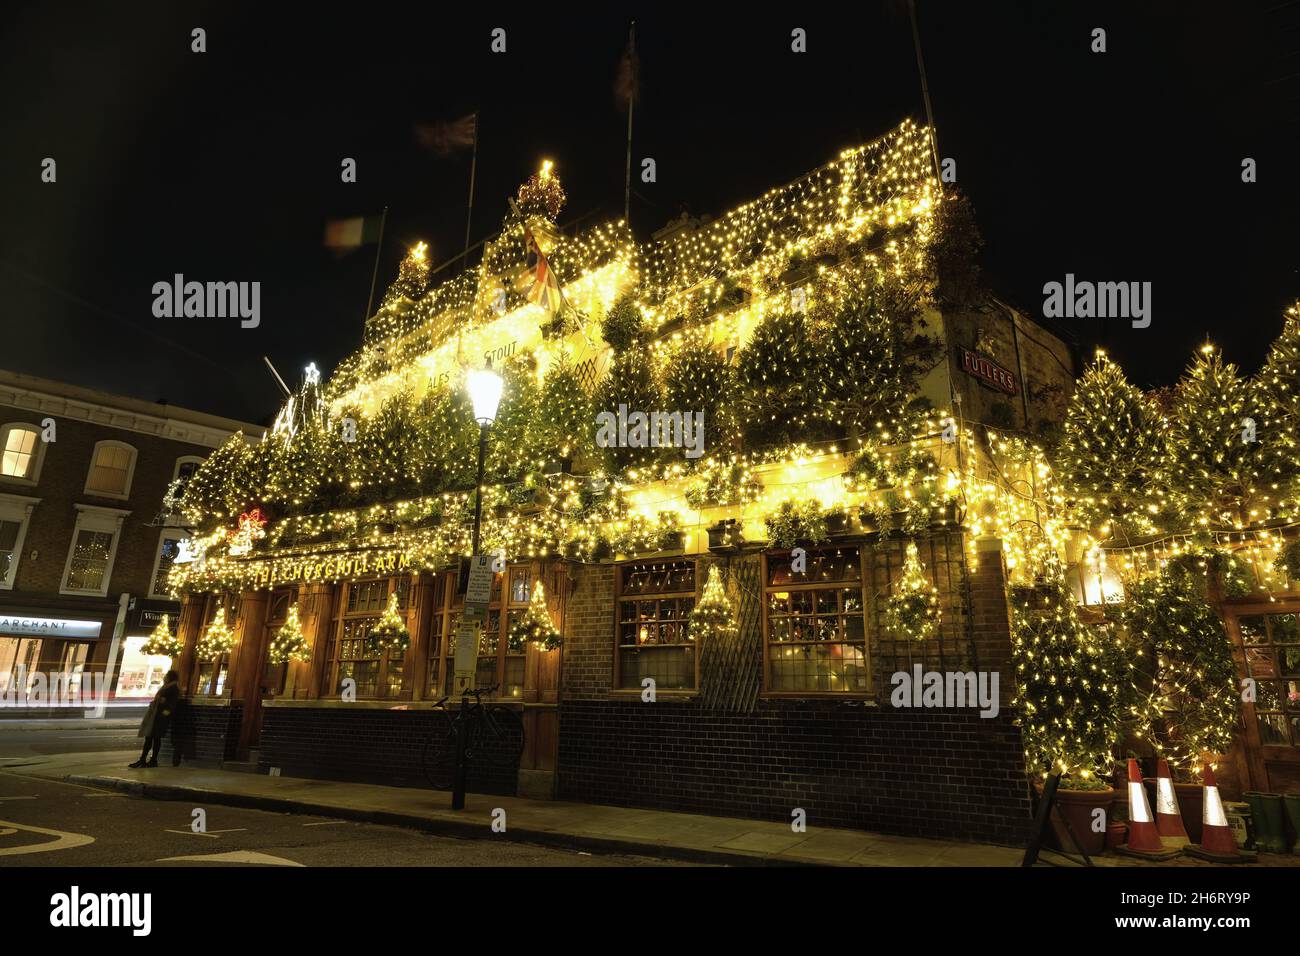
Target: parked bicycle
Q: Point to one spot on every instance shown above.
(494, 738)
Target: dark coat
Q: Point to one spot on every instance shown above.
(158, 718)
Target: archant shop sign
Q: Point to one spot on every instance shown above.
(48, 627)
(989, 372)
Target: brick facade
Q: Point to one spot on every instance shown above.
(203, 734)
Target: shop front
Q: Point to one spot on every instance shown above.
(53, 657)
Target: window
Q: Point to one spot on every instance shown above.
(1272, 643)
(498, 663)
(212, 672)
(111, 467)
(94, 546)
(169, 546)
(15, 514)
(21, 451)
(813, 623)
(655, 600)
(348, 653)
(275, 676)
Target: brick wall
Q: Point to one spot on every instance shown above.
(922, 772)
(943, 773)
(374, 746)
(203, 734)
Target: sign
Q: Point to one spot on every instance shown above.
(988, 372)
(49, 627)
(466, 663)
(479, 589)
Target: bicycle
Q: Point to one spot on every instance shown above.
(494, 738)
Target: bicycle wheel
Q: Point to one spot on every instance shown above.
(438, 760)
(497, 738)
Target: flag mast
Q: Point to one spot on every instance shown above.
(374, 275)
(473, 165)
(631, 102)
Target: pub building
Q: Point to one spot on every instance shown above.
(790, 708)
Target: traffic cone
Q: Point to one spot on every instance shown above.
(1169, 819)
(1143, 837)
(1217, 841)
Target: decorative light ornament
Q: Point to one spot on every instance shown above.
(162, 642)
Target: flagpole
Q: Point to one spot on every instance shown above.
(374, 275)
(631, 102)
(473, 167)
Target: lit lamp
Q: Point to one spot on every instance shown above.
(484, 387)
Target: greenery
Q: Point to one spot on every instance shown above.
(534, 625)
(912, 611)
(795, 522)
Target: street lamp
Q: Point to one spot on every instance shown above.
(484, 387)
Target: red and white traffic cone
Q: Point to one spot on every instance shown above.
(1169, 820)
(1217, 840)
(1143, 837)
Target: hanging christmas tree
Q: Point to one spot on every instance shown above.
(289, 643)
(389, 633)
(912, 611)
(162, 642)
(534, 626)
(1191, 705)
(1068, 678)
(1112, 449)
(713, 619)
(217, 638)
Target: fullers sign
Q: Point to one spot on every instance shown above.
(989, 372)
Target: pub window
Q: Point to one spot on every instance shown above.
(813, 623)
(349, 654)
(213, 671)
(1272, 643)
(497, 662)
(655, 600)
(277, 612)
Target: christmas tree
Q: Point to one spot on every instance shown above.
(1068, 678)
(698, 379)
(912, 611)
(1214, 466)
(289, 643)
(777, 371)
(1191, 705)
(1278, 383)
(713, 619)
(217, 638)
(162, 642)
(629, 381)
(623, 327)
(412, 279)
(534, 625)
(216, 491)
(566, 423)
(389, 632)
(1112, 449)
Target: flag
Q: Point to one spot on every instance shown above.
(546, 288)
(447, 137)
(344, 234)
(627, 81)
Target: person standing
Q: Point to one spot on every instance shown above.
(157, 720)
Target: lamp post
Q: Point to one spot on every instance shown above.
(484, 386)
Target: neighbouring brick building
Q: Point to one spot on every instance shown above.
(84, 545)
(791, 712)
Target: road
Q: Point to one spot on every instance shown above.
(52, 823)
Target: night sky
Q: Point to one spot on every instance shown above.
(224, 166)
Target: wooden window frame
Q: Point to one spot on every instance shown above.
(446, 616)
(133, 456)
(341, 616)
(620, 570)
(230, 601)
(38, 453)
(765, 588)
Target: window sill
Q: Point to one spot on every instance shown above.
(850, 697)
(21, 482)
(677, 693)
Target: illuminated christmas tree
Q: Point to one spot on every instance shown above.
(542, 195)
(630, 381)
(1191, 704)
(698, 379)
(1069, 679)
(217, 638)
(777, 369)
(1279, 394)
(289, 643)
(535, 626)
(389, 632)
(567, 423)
(713, 619)
(1112, 449)
(912, 611)
(162, 642)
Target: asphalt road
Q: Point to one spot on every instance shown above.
(52, 823)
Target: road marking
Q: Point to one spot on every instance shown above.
(237, 856)
(88, 795)
(208, 833)
(32, 797)
(326, 823)
(65, 841)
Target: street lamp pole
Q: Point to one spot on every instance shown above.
(485, 393)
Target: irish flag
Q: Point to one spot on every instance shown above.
(351, 233)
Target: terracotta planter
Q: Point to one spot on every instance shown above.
(1116, 834)
(1077, 806)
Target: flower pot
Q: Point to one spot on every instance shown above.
(1116, 834)
(837, 523)
(1077, 806)
(670, 541)
(724, 535)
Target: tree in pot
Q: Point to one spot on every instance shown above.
(1068, 679)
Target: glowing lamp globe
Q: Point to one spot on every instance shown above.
(485, 393)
